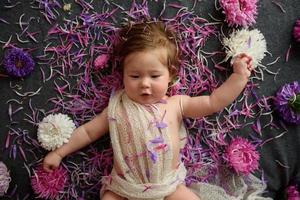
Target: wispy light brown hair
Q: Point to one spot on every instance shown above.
(147, 36)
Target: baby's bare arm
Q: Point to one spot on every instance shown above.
(81, 137)
(224, 95)
(85, 134)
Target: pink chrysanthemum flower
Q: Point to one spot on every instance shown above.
(242, 156)
(100, 61)
(48, 184)
(239, 12)
(296, 31)
(293, 193)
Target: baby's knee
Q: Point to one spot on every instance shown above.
(109, 195)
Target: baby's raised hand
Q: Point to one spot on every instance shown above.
(242, 64)
(51, 161)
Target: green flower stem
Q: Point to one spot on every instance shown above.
(295, 103)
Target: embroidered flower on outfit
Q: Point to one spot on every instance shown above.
(55, 130)
(48, 184)
(287, 102)
(101, 61)
(242, 156)
(4, 179)
(251, 42)
(239, 12)
(296, 31)
(17, 63)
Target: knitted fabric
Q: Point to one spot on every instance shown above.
(227, 185)
(146, 172)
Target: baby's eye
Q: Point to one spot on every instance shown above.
(155, 76)
(134, 76)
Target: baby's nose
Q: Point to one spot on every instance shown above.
(145, 82)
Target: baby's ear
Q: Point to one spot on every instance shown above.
(173, 73)
(172, 77)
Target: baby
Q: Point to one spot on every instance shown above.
(145, 124)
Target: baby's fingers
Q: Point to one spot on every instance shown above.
(250, 65)
(246, 59)
(241, 58)
(242, 55)
(47, 168)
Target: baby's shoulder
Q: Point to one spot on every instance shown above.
(174, 107)
(175, 102)
(174, 99)
(177, 99)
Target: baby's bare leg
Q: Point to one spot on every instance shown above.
(109, 195)
(182, 193)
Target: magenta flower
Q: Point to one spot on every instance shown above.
(48, 184)
(296, 31)
(101, 61)
(242, 156)
(18, 63)
(287, 102)
(239, 12)
(293, 193)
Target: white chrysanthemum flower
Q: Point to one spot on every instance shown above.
(250, 42)
(55, 130)
(4, 179)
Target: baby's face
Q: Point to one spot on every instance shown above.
(145, 76)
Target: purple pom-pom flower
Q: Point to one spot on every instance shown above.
(287, 102)
(296, 32)
(241, 156)
(4, 179)
(48, 184)
(17, 63)
(239, 12)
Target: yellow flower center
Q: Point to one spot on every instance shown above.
(19, 64)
